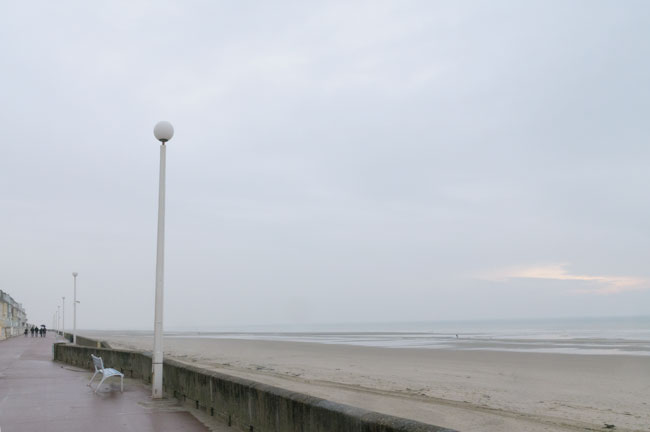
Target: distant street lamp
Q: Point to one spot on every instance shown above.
(63, 319)
(163, 131)
(74, 310)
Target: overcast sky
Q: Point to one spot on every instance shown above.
(333, 161)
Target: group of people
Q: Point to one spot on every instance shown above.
(35, 331)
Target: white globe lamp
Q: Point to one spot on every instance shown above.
(163, 131)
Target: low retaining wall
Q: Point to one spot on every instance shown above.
(84, 341)
(245, 404)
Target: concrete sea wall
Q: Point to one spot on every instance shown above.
(242, 403)
(84, 341)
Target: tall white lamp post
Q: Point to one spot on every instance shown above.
(63, 318)
(74, 310)
(163, 131)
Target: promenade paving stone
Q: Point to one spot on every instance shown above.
(38, 394)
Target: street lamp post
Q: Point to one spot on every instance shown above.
(163, 131)
(74, 310)
(63, 318)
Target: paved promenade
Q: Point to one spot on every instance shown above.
(37, 394)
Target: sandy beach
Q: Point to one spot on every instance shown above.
(465, 390)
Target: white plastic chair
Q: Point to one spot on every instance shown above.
(106, 372)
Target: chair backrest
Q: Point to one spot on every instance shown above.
(97, 361)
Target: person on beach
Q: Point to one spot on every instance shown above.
(31, 330)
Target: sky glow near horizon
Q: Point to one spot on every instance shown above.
(601, 284)
(332, 162)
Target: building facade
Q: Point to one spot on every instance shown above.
(13, 318)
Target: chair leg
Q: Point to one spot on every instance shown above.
(91, 380)
(100, 383)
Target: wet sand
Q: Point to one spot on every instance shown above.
(468, 390)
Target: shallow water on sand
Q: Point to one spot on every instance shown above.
(630, 335)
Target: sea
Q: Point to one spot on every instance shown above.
(602, 336)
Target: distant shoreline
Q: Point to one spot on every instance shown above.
(630, 336)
